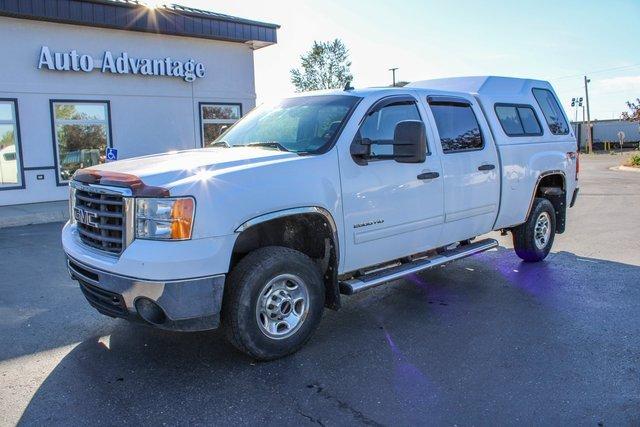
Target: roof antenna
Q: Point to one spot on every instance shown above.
(348, 86)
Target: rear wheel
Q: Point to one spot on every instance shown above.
(532, 240)
(273, 302)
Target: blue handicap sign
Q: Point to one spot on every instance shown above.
(112, 154)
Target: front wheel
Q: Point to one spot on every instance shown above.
(273, 302)
(532, 240)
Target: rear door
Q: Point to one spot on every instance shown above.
(470, 167)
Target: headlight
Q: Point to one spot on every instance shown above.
(164, 219)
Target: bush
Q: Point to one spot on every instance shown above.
(634, 160)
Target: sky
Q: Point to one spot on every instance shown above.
(559, 41)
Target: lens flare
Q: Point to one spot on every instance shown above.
(154, 4)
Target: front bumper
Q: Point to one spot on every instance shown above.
(181, 305)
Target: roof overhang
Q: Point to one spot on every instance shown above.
(135, 16)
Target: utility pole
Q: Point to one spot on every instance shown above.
(586, 94)
(393, 70)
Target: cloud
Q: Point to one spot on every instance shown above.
(630, 83)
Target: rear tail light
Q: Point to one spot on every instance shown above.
(575, 155)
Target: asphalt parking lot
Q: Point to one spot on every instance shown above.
(484, 341)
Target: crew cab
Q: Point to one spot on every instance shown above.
(317, 196)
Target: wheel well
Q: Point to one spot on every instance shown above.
(552, 187)
(310, 233)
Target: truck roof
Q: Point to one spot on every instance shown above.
(481, 85)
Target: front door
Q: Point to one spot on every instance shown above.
(391, 209)
(470, 166)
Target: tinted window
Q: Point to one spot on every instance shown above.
(458, 127)
(509, 120)
(380, 126)
(529, 121)
(518, 120)
(552, 111)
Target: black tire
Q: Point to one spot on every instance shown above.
(242, 293)
(524, 235)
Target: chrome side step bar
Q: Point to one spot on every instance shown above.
(368, 281)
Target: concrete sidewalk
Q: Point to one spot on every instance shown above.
(33, 213)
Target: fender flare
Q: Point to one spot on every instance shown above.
(296, 211)
(535, 187)
(332, 298)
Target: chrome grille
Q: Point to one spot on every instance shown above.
(106, 229)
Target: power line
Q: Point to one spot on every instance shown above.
(573, 89)
(614, 92)
(604, 70)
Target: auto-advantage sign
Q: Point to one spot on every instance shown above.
(188, 70)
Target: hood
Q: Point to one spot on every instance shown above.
(174, 168)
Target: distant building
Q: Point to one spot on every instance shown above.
(607, 131)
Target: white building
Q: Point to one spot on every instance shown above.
(79, 76)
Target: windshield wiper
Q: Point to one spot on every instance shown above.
(267, 144)
(220, 144)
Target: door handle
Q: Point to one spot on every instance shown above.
(428, 175)
(486, 167)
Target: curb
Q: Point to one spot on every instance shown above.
(21, 217)
(625, 168)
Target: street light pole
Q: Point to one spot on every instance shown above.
(393, 70)
(586, 94)
(577, 103)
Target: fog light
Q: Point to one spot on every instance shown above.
(150, 311)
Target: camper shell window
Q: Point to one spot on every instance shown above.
(518, 119)
(552, 111)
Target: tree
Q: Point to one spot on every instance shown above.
(6, 139)
(325, 66)
(634, 114)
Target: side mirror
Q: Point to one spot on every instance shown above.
(410, 142)
(360, 149)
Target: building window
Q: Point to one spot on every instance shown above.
(458, 127)
(215, 119)
(82, 133)
(552, 111)
(518, 120)
(10, 162)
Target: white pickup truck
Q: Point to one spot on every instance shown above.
(320, 195)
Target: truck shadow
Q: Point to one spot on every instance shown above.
(388, 345)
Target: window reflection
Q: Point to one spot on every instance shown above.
(458, 127)
(518, 120)
(82, 134)
(216, 119)
(380, 126)
(552, 111)
(10, 173)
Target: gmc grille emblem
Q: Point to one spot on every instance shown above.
(86, 218)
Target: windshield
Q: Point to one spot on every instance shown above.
(301, 125)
